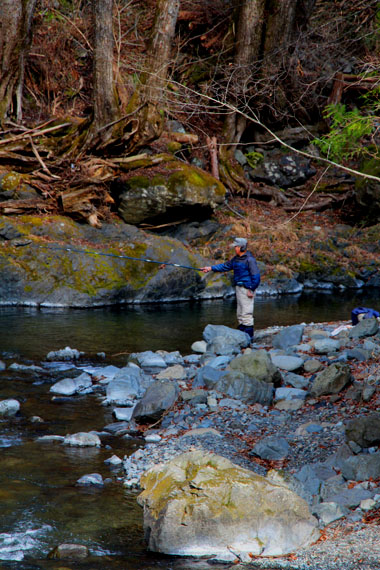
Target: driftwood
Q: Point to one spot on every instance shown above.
(81, 204)
(9, 207)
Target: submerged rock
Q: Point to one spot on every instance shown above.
(9, 407)
(201, 504)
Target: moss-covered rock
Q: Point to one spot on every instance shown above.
(47, 272)
(202, 504)
(174, 189)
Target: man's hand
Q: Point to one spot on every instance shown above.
(206, 269)
(249, 293)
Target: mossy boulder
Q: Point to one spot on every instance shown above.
(14, 187)
(200, 504)
(173, 190)
(47, 272)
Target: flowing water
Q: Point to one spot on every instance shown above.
(41, 506)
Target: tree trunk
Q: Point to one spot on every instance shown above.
(286, 19)
(247, 51)
(15, 37)
(148, 101)
(104, 94)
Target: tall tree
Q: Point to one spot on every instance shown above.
(15, 37)
(104, 95)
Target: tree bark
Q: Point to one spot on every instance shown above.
(106, 108)
(247, 51)
(15, 37)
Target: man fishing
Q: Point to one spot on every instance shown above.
(246, 280)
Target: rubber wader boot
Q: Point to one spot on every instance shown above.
(249, 330)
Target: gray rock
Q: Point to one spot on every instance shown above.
(289, 336)
(329, 512)
(331, 380)
(326, 345)
(70, 386)
(365, 327)
(359, 354)
(296, 380)
(272, 448)
(362, 467)
(9, 407)
(69, 551)
(257, 365)
(239, 386)
(289, 363)
(232, 404)
(114, 461)
(176, 372)
(194, 397)
(158, 398)
(312, 365)
(82, 439)
(151, 361)
(177, 188)
(350, 498)
(219, 362)
(365, 430)
(207, 377)
(289, 394)
(368, 392)
(91, 480)
(223, 340)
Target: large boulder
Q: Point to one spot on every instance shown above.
(202, 504)
(158, 398)
(365, 430)
(258, 365)
(49, 273)
(240, 386)
(362, 467)
(365, 327)
(331, 380)
(224, 340)
(173, 191)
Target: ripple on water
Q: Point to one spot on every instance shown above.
(10, 440)
(15, 545)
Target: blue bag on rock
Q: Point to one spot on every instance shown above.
(367, 314)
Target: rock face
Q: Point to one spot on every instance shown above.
(258, 365)
(202, 504)
(157, 399)
(365, 431)
(224, 340)
(178, 188)
(38, 275)
(331, 380)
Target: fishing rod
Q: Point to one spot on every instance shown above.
(90, 252)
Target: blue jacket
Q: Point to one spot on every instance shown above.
(246, 272)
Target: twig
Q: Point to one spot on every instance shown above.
(38, 157)
(34, 133)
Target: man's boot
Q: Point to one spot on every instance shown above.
(249, 330)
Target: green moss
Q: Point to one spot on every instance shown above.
(11, 181)
(174, 146)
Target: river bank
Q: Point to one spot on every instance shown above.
(310, 428)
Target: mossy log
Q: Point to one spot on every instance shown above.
(231, 172)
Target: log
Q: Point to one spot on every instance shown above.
(16, 207)
(213, 150)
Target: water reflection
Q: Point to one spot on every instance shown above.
(34, 332)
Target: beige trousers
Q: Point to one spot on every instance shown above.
(245, 306)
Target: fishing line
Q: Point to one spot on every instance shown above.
(90, 252)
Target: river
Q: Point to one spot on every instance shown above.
(41, 506)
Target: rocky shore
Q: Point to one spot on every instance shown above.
(299, 408)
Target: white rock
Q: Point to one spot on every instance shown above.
(153, 438)
(367, 504)
(199, 346)
(9, 407)
(123, 414)
(82, 439)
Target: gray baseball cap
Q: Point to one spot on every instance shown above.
(240, 242)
